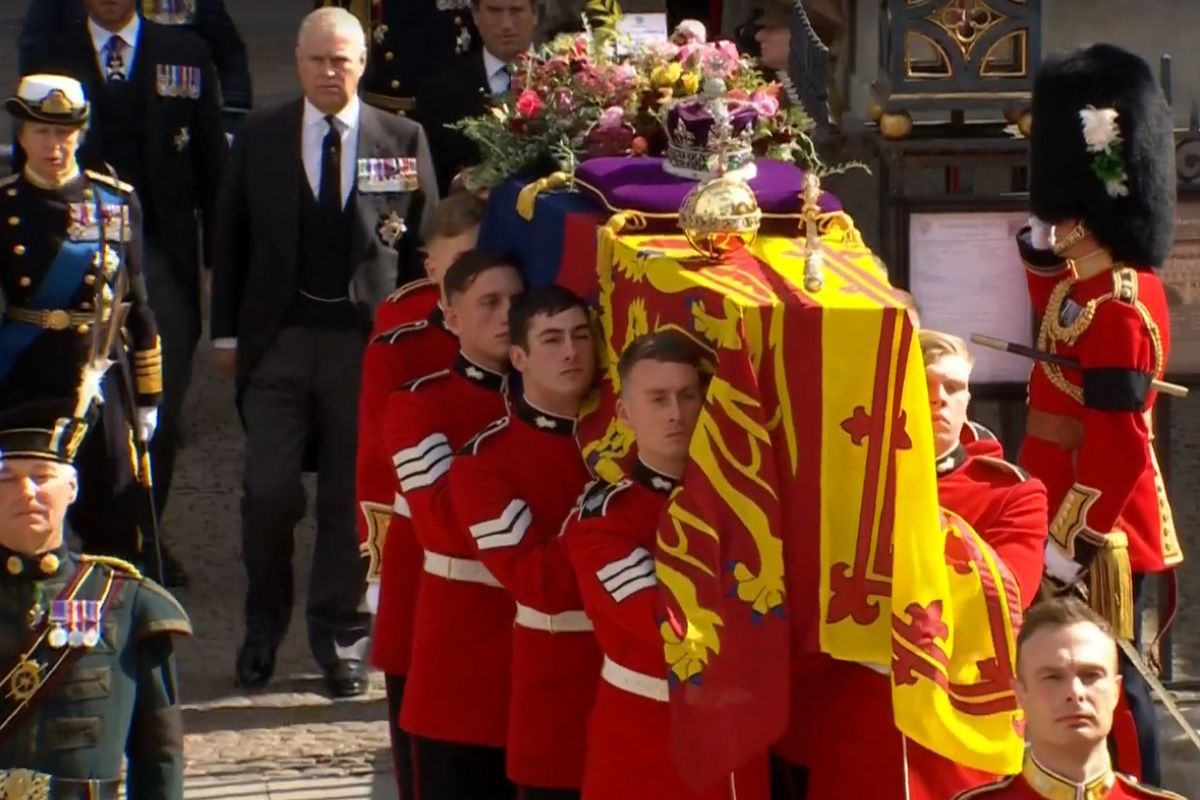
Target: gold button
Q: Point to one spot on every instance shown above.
(89, 279)
(19, 249)
(11, 193)
(26, 280)
(14, 565)
(86, 306)
(389, 55)
(14, 221)
(49, 564)
(395, 84)
(84, 328)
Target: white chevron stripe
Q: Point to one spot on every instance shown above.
(400, 506)
(629, 575)
(422, 465)
(506, 530)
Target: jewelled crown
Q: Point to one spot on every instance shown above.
(692, 131)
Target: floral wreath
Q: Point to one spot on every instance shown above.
(1103, 139)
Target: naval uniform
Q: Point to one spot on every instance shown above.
(86, 648)
(455, 712)
(513, 518)
(55, 270)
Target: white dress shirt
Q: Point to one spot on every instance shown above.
(100, 37)
(497, 73)
(314, 127)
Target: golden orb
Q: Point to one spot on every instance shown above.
(720, 215)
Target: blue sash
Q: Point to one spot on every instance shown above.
(63, 279)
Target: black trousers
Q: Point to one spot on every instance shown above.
(304, 391)
(1141, 706)
(451, 771)
(788, 781)
(105, 517)
(534, 793)
(402, 754)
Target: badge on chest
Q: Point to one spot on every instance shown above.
(170, 12)
(387, 175)
(85, 227)
(177, 80)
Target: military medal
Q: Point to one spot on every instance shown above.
(391, 228)
(387, 175)
(57, 637)
(25, 680)
(182, 139)
(177, 80)
(74, 619)
(91, 623)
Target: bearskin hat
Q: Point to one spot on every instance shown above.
(1102, 149)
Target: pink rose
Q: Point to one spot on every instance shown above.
(611, 117)
(529, 104)
(729, 50)
(764, 103)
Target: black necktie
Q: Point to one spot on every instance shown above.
(329, 198)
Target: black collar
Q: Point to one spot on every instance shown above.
(480, 376)
(437, 319)
(18, 566)
(653, 479)
(543, 420)
(952, 460)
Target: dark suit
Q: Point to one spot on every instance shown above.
(172, 149)
(456, 93)
(47, 20)
(297, 383)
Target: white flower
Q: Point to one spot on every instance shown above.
(1117, 187)
(1100, 129)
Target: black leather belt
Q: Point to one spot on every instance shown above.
(26, 784)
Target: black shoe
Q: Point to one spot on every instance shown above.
(346, 678)
(174, 575)
(255, 665)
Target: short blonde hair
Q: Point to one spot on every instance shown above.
(332, 18)
(938, 344)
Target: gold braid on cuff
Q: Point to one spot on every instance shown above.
(1104, 555)
(147, 368)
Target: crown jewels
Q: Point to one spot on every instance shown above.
(697, 126)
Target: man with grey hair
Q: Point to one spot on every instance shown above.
(321, 212)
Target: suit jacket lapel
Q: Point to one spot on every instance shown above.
(371, 144)
(290, 174)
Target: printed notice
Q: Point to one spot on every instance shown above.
(967, 277)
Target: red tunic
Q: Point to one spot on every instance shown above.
(1008, 510)
(447, 696)
(415, 343)
(1089, 429)
(980, 441)
(513, 517)
(1035, 782)
(610, 542)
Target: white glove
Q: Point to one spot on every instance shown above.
(1041, 234)
(147, 422)
(1061, 566)
(373, 597)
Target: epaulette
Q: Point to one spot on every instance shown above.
(597, 496)
(408, 288)
(493, 427)
(1006, 467)
(7, 179)
(986, 789)
(1142, 790)
(115, 564)
(109, 180)
(1125, 285)
(424, 380)
(391, 335)
(157, 611)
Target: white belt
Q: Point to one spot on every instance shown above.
(459, 569)
(627, 680)
(563, 622)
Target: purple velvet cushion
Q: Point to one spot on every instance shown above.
(640, 184)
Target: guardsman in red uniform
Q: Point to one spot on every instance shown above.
(610, 539)
(455, 712)
(1068, 684)
(1103, 196)
(1008, 509)
(980, 440)
(513, 518)
(411, 341)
